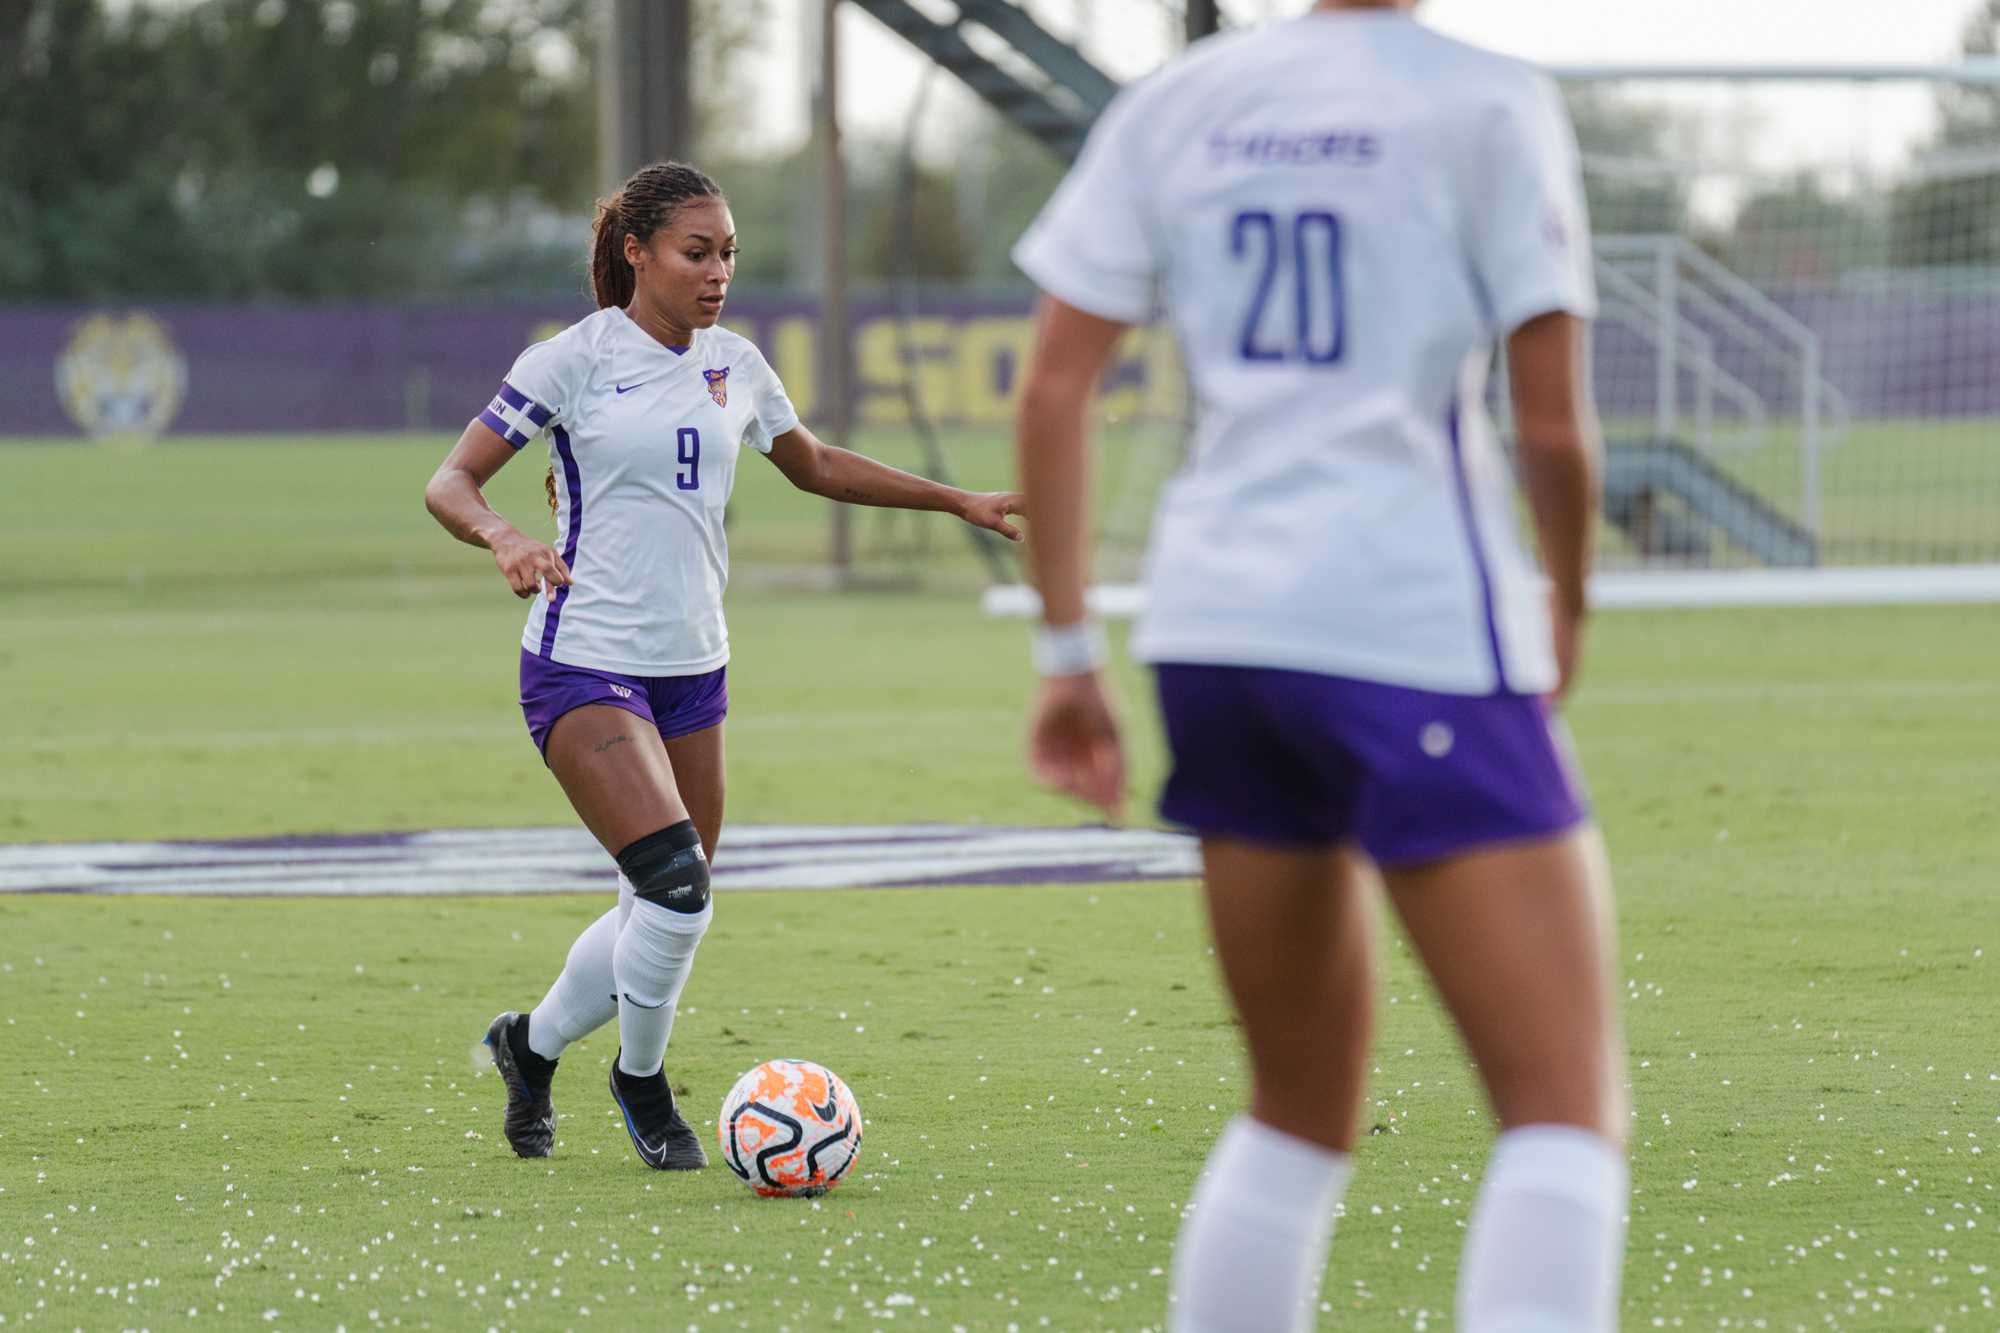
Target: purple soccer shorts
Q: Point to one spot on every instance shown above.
(677, 705)
(1298, 759)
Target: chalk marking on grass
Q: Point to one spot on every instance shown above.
(305, 737)
(561, 860)
(1787, 692)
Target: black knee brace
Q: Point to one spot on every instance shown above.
(668, 868)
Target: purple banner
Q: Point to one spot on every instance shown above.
(215, 369)
(210, 369)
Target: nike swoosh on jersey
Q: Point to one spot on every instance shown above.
(627, 388)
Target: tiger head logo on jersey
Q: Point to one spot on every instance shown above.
(718, 385)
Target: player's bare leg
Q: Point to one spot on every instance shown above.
(617, 773)
(697, 763)
(584, 995)
(614, 768)
(1292, 931)
(1519, 943)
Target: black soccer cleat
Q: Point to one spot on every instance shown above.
(664, 1141)
(530, 1121)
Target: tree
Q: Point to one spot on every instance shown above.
(1630, 179)
(1796, 232)
(1950, 214)
(305, 148)
(1970, 116)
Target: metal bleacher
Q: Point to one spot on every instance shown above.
(1035, 79)
(1705, 329)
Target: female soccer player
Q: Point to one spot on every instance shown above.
(1342, 213)
(622, 663)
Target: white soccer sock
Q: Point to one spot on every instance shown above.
(1252, 1250)
(654, 955)
(585, 994)
(584, 997)
(1547, 1242)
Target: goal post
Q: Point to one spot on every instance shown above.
(1797, 359)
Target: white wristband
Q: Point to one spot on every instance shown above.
(1070, 650)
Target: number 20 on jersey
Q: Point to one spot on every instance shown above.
(1307, 247)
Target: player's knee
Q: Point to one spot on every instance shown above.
(669, 869)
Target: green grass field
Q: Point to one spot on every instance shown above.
(264, 1113)
(1891, 491)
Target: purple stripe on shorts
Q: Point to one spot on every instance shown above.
(1478, 550)
(575, 484)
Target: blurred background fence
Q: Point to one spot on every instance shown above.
(266, 218)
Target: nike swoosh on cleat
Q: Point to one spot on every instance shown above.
(648, 1153)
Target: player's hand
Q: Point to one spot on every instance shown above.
(1073, 742)
(990, 510)
(530, 566)
(1566, 619)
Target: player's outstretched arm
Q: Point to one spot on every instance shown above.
(819, 468)
(455, 495)
(1073, 741)
(1555, 418)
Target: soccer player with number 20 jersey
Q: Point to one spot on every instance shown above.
(646, 404)
(1355, 656)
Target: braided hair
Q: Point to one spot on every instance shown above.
(645, 203)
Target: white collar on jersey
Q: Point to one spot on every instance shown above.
(637, 354)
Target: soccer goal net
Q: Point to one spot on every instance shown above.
(1798, 356)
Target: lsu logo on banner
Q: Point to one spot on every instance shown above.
(122, 376)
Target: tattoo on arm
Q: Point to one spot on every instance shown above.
(604, 745)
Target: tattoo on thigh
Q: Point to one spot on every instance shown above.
(604, 745)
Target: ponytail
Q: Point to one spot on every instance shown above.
(611, 281)
(611, 276)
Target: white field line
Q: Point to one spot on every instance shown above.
(515, 861)
(516, 731)
(1634, 696)
(1784, 691)
(474, 869)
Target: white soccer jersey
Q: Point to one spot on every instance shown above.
(644, 443)
(1341, 214)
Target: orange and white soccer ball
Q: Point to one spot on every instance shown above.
(790, 1128)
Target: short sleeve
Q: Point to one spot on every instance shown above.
(1530, 229)
(539, 389)
(1094, 245)
(772, 411)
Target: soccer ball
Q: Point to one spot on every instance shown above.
(790, 1129)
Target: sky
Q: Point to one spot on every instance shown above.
(1794, 124)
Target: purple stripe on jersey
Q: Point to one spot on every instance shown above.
(575, 484)
(1478, 550)
(493, 422)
